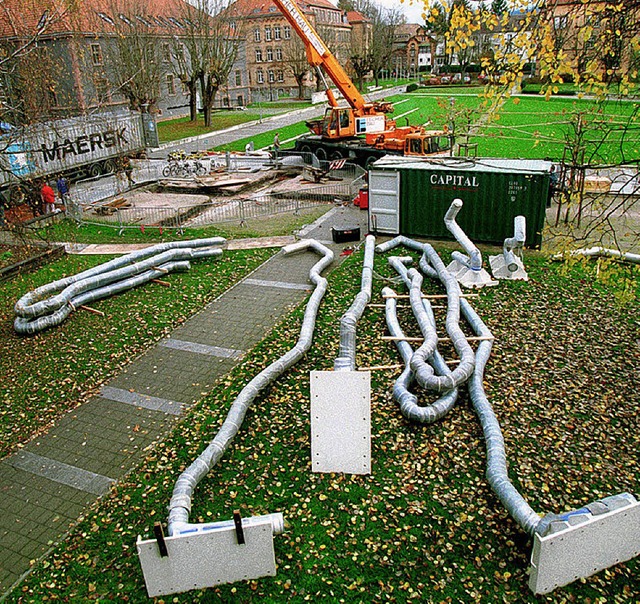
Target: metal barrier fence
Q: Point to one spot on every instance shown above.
(114, 209)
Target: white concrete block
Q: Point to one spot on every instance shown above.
(341, 421)
(585, 549)
(205, 559)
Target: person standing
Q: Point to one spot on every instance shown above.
(62, 185)
(276, 142)
(48, 198)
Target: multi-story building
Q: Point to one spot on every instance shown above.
(68, 68)
(274, 54)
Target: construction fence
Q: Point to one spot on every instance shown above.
(105, 201)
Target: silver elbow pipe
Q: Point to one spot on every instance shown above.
(180, 504)
(474, 259)
(346, 359)
(513, 245)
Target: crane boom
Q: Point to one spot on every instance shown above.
(318, 54)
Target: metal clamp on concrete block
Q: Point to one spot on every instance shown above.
(159, 533)
(237, 520)
(583, 542)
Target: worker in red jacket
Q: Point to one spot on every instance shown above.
(48, 199)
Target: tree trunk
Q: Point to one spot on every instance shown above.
(193, 100)
(300, 88)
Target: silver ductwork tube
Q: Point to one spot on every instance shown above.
(433, 265)
(407, 401)
(452, 324)
(497, 474)
(474, 258)
(180, 504)
(603, 252)
(513, 245)
(346, 359)
(33, 326)
(43, 307)
(29, 306)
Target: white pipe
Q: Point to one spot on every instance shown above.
(602, 252)
(180, 504)
(346, 359)
(474, 258)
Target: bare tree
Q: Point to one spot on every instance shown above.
(294, 58)
(385, 23)
(27, 68)
(135, 55)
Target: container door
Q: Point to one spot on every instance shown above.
(384, 201)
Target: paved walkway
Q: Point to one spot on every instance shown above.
(46, 485)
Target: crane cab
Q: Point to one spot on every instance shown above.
(428, 143)
(339, 122)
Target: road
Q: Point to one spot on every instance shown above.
(230, 135)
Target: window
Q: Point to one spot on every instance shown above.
(256, 34)
(96, 54)
(560, 22)
(276, 32)
(269, 54)
(125, 19)
(267, 33)
(166, 52)
(102, 90)
(171, 84)
(238, 77)
(278, 54)
(280, 75)
(287, 32)
(272, 76)
(258, 55)
(260, 76)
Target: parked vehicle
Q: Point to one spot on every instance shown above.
(87, 145)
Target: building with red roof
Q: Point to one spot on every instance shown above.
(66, 68)
(274, 54)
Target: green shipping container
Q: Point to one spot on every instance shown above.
(493, 191)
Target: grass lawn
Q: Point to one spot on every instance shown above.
(45, 375)
(424, 525)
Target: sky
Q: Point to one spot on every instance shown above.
(411, 10)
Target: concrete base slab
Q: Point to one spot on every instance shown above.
(595, 543)
(500, 269)
(469, 278)
(341, 421)
(205, 559)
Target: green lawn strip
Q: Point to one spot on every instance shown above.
(47, 374)
(424, 525)
(183, 127)
(546, 123)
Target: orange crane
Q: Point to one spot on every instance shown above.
(338, 133)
